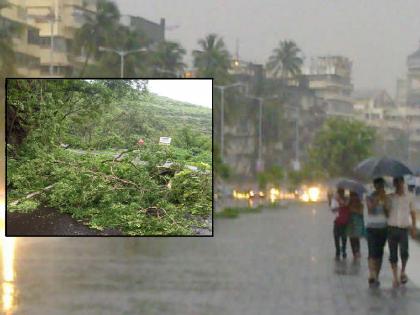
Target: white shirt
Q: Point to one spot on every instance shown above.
(376, 219)
(401, 206)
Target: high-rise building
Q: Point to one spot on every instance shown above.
(413, 79)
(57, 22)
(25, 38)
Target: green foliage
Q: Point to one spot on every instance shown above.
(25, 206)
(220, 169)
(213, 59)
(285, 60)
(337, 138)
(233, 212)
(273, 175)
(192, 190)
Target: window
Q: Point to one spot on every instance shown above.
(27, 60)
(45, 41)
(33, 36)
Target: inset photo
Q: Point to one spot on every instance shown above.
(109, 157)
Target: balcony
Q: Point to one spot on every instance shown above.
(59, 58)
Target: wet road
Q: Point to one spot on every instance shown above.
(279, 261)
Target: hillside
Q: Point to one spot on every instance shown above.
(197, 117)
(144, 115)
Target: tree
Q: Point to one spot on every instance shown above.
(213, 59)
(167, 59)
(285, 61)
(221, 169)
(97, 31)
(340, 145)
(273, 176)
(39, 110)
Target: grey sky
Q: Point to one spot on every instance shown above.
(194, 91)
(376, 34)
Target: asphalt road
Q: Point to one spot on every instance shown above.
(279, 261)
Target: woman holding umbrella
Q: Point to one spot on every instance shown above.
(348, 213)
(339, 207)
(401, 207)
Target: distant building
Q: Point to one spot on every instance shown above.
(370, 106)
(330, 78)
(26, 43)
(401, 92)
(413, 79)
(248, 73)
(155, 32)
(403, 124)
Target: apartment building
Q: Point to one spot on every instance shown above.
(57, 22)
(25, 39)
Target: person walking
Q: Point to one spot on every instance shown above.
(356, 226)
(376, 229)
(402, 207)
(340, 208)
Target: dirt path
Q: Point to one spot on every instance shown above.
(49, 222)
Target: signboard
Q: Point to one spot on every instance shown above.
(165, 140)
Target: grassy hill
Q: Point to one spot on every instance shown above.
(169, 114)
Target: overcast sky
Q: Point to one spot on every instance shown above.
(197, 92)
(377, 35)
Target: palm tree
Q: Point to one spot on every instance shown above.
(213, 60)
(285, 60)
(167, 59)
(7, 31)
(96, 31)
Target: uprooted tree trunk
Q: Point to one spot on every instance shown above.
(33, 194)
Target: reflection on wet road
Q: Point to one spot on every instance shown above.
(256, 264)
(8, 272)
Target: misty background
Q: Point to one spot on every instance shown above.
(376, 35)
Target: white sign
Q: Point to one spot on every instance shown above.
(165, 140)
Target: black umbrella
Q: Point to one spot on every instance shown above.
(351, 185)
(378, 167)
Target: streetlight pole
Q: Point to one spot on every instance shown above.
(297, 136)
(297, 149)
(222, 114)
(260, 105)
(122, 54)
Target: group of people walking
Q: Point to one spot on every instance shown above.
(380, 218)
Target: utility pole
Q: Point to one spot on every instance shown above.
(260, 166)
(222, 114)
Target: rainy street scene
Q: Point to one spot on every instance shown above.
(315, 157)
